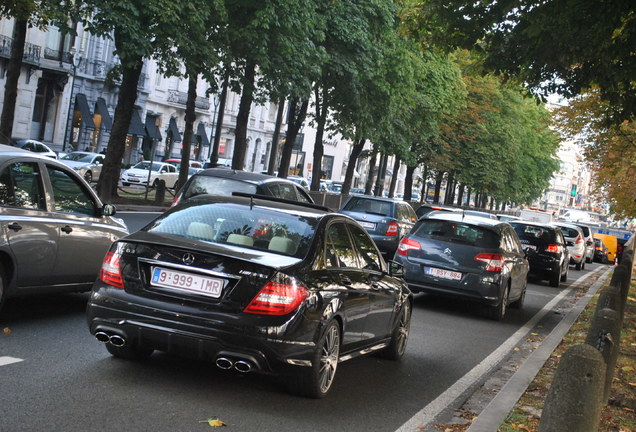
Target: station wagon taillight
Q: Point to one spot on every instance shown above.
(553, 248)
(392, 229)
(494, 262)
(406, 245)
(579, 239)
(277, 298)
(111, 271)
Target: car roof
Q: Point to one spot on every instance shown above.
(566, 224)
(375, 198)
(461, 217)
(246, 176)
(533, 223)
(8, 152)
(308, 209)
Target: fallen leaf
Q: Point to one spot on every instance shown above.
(627, 369)
(7, 331)
(517, 349)
(214, 422)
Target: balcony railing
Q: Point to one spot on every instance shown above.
(31, 51)
(181, 98)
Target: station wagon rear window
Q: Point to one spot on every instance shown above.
(371, 206)
(456, 232)
(201, 185)
(534, 234)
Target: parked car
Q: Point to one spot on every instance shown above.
(385, 219)
(177, 163)
(425, 209)
(611, 243)
(466, 257)
(138, 174)
(588, 240)
(299, 180)
(546, 250)
(54, 229)
(507, 218)
(356, 191)
(34, 146)
(575, 240)
(600, 252)
(223, 181)
(87, 164)
(480, 214)
(252, 284)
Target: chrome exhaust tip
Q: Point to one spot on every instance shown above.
(117, 340)
(224, 363)
(102, 336)
(243, 366)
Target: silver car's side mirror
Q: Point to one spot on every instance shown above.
(108, 210)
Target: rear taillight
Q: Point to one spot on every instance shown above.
(579, 239)
(111, 271)
(597, 248)
(553, 248)
(392, 229)
(277, 298)
(406, 245)
(494, 262)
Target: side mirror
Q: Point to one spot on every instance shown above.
(569, 243)
(108, 210)
(396, 269)
(590, 243)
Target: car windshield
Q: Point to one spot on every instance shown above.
(257, 228)
(533, 234)
(569, 232)
(456, 232)
(78, 157)
(145, 164)
(217, 186)
(372, 206)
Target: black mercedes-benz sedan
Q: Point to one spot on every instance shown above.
(252, 283)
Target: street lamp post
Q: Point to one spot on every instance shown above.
(75, 63)
(212, 133)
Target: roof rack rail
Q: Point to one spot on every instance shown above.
(282, 200)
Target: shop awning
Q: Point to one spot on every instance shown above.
(205, 142)
(101, 110)
(136, 126)
(85, 113)
(174, 130)
(152, 129)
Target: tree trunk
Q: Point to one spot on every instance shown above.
(368, 187)
(319, 149)
(351, 167)
(393, 184)
(190, 116)
(296, 120)
(424, 191)
(11, 85)
(379, 182)
(214, 157)
(107, 183)
(460, 194)
(243, 117)
(408, 183)
(438, 186)
(273, 154)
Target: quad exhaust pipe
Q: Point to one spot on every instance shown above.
(111, 338)
(242, 366)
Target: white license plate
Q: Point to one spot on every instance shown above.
(369, 225)
(208, 286)
(441, 273)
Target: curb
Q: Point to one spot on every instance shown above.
(502, 404)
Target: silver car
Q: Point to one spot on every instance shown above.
(575, 240)
(54, 229)
(87, 164)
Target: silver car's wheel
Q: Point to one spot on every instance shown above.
(88, 176)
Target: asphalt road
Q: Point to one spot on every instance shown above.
(54, 376)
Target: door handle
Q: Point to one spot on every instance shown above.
(67, 229)
(14, 226)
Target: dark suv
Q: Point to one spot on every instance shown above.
(385, 219)
(223, 181)
(546, 250)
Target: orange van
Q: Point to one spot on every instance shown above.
(611, 242)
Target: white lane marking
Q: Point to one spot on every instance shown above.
(9, 360)
(433, 409)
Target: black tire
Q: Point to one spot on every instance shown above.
(3, 286)
(400, 335)
(518, 304)
(582, 264)
(556, 278)
(88, 176)
(155, 184)
(564, 276)
(577, 266)
(315, 381)
(497, 312)
(125, 184)
(129, 352)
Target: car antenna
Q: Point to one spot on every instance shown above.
(251, 202)
(463, 214)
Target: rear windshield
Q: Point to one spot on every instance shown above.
(569, 232)
(234, 224)
(534, 234)
(586, 230)
(456, 232)
(217, 186)
(371, 206)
